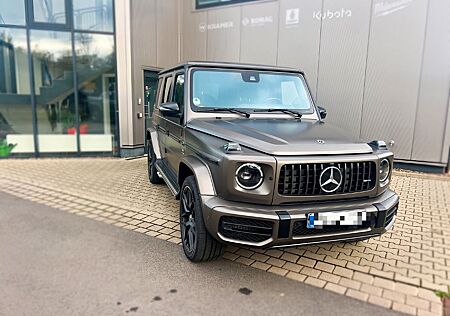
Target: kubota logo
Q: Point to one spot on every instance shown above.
(330, 14)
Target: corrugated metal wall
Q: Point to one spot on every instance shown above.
(380, 67)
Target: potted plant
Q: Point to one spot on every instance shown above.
(5, 148)
(68, 122)
(445, 298)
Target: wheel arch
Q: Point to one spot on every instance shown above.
(194, 166)
(152, 135)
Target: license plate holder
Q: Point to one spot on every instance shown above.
(317, 220)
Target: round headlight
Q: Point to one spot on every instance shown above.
(385, 169)
(249, 176)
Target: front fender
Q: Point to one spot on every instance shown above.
(155, 143)
(202, 174)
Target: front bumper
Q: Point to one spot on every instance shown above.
(284, 225)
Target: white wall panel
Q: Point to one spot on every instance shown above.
(167, 33)
(193, 32)
(224, 34)
(342, 61)
(393, 73)
(434, 86)
(259, 35)
(144, 53)
(299, 37)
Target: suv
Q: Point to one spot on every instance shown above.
(246, 151)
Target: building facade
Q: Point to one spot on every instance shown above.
(380, 67)
(58, 77)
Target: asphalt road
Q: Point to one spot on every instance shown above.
(56, 263)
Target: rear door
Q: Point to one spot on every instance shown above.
(174, 124)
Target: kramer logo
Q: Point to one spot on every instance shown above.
(203, 27)
(330, 15)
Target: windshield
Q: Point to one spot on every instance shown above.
(249, 90)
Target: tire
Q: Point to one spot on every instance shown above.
(198, 244)
(152, 171)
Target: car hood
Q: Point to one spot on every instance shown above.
(283, 137)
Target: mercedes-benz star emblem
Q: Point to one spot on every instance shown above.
(330, 179)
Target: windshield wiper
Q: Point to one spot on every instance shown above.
(297, 115)
(231, 110)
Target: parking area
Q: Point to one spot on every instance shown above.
(399, 270)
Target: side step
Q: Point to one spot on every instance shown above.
(168, 178)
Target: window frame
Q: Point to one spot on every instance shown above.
(199, 6)
(67, 26)
(197, 109)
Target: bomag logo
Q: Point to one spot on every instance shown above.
(330, 14)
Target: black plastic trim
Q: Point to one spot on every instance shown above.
(284, 226)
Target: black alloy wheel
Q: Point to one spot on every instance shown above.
(187, 219)
(198, 244)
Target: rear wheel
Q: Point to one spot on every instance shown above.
(198, 244)
(151, 159)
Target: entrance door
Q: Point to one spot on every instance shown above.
(150, 89)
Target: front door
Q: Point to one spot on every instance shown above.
(174, 141)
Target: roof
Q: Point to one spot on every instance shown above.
(213, 64)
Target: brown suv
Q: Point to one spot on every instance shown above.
(248, 154)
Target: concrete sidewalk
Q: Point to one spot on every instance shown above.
(55, 263)
(399, 270)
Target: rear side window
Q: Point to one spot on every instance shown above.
(167, 88)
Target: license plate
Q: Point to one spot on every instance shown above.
(346, 218)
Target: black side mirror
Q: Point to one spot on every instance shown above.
(322, 112)
(169, 109)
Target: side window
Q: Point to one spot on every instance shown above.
(167, 87)
(178, 93)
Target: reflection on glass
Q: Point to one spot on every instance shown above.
(96, 93)
(93, 15)
(49, 11)
(12, 12)
(15, 103)
(54, 88)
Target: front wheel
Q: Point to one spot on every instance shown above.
(198, 244)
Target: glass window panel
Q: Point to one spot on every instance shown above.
(49, 11)
(93, 15)
(15, 103)
(12, 12)
(54, 89)
(96, 93)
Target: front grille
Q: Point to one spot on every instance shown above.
(246, 229)
(301, 230)
(303, 179)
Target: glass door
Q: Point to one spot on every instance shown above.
(54, 90)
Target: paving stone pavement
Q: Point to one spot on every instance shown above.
(398, 270)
